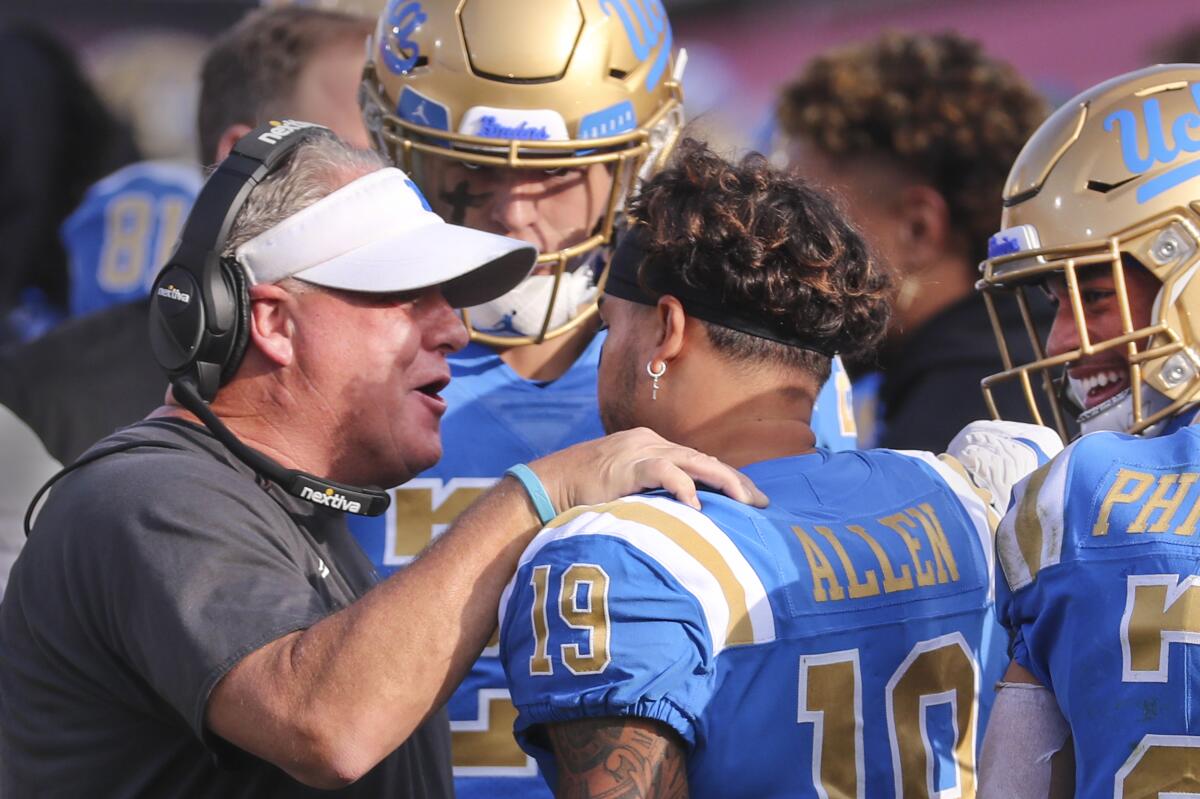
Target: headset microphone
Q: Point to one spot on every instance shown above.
(352, 499)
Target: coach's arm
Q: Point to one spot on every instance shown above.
(328, 703)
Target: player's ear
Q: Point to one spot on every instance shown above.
(229, 138)
(924, 218)
(669, 319)
(272, 323)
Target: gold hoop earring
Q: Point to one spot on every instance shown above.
(655, 374)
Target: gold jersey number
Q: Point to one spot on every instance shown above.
(939, 671)
(1160, 609)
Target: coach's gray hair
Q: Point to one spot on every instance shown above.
(317, 169)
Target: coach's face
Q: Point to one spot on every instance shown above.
(374, 364)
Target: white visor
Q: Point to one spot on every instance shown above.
(378, 235)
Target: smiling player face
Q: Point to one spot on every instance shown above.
(1099, 377)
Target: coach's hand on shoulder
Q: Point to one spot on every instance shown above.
(637, 460)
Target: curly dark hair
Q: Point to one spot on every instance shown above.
(932, 103)
(766, 245)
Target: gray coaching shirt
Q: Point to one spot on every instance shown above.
(149, 575)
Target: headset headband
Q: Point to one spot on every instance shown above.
(201, 339)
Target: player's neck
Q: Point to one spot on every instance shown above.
(551, 359)
(266, 422)
(757, 440)
(760, 425)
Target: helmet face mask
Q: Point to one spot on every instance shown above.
(1106, 186)
(534, 86)
(1141, 336)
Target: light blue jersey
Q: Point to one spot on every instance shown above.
(1100, 582)
(828, 645)
(497, 419)
(123, 231)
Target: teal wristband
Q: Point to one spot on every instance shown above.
(536, 491)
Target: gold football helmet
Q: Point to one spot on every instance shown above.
(1109, 180)
(530, 84)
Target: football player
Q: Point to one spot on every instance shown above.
(828, 645)
(534, 120)
(123, 232)
(916, 132)
(1098, 555)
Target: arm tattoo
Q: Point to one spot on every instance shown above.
(618, 758)
(460, 199)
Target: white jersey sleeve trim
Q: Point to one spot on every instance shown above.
(687, 545)
(1030, 536)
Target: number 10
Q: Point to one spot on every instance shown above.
(939, 671)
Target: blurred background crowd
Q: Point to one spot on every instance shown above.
(93, 87)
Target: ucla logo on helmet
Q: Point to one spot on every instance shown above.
(1147, 133)
(646, 25)
(397, 49)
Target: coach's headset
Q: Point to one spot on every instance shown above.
(199, 316)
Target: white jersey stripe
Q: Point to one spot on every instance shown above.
(687, 558)
(1051, 508)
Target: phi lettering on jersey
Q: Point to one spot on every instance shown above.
(1152, 511)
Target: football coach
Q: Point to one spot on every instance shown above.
(190, 616)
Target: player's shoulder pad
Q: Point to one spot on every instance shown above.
(1030, 537)
(680, 542)
(996, 455)
(985, 460)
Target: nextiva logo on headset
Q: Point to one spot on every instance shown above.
(172, 293)
(280, 130)
(200, 306)
(330, 499)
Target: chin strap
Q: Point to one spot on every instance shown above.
(1115, 414)
(522, 311)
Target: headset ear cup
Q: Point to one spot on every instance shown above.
(239, 291)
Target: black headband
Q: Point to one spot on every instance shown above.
(623, 283)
